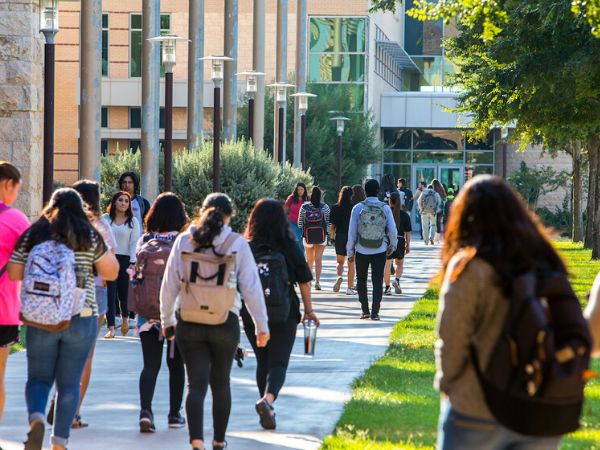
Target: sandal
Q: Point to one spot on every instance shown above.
(78, 423)
(124, 327)
(110, 334)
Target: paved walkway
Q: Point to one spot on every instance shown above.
(309, 405)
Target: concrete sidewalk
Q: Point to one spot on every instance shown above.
(308, 407)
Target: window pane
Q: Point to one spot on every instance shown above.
(486, 144)
(438, 140)
(104, 118)
(336, 67)
(397, 156)
(135, 118)
(104, 53)
(438, 157)
(165, 22)
(337, 34)
(135, 62)
(136, 21)
(104, 20)
(431, 72)
(422, 38)
(399, 171)
(134, 145)
(480, 157)
(397, 138)
(104, 147)
(471, 171)
(161, 118)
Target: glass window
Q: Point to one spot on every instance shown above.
(337, 34)
(134, 145)
(336, 67)
(480, 157)
(135, 117)
(135, 43)
(486, 144)
(399, 171)
(443, 157)
(161, 118)
(397, 138)
(422, 38)
(104, 147)
(390, 156)
(438, 140)
(104, 45)
(104, 117)
(471, 171)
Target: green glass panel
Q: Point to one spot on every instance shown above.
(451, 177)
(104, 147)
(337, 34)
(104, 117)
(390, 156)
(104, 53)
(136, 21)
(424, 174)
(422, 37)
(431, 78)
(161, 118)
(438, 156)
(399, 171)
(135, 118)
(104, 20)
(471, 171)
(397, 138)
(165, 22)
(438, 140)
(135, 61)
(336, 67)
(480, 157)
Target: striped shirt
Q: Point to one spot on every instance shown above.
(84, 262)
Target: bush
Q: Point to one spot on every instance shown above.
(246, 176)
(559, 220)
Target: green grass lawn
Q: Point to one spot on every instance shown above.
(394, 405)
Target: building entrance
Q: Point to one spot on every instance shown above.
(450, 175)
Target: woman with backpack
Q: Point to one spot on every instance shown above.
(126, 230)
(213, 264)
(62, 239)
(439, 215)
(13, 224)
(165, 220)
(277, 257)
(313, 221)
(493, 244)
(292, 209)
(339, 224)
(404, 227)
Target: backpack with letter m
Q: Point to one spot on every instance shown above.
(533, 383)
(274, 277)
(209, 283)
(314, 225)
(372, 225)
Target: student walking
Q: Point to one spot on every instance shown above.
(439, 215)
(292, 209)
(126, 230)
(68, 249)
(165, 220)
(417, 195)
(313, 221)
(130, 183)
(13, 224)
(372, 235)
(339, 224)
(404, 227)
(281, 266)
(212, 263)
(429, 204)
(485, 258)
(408, 203)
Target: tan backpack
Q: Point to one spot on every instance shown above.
(209, 284)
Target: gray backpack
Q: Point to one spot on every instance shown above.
(371, 225)
(430, 204)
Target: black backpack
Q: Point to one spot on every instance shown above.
(533, 383)
(274, 277)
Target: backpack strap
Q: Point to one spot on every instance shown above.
(4, 207)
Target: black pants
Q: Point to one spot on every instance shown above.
(377, 263)
(152, 350)
(438, 222)
(117, 293)
(272, 361)
(207, 352)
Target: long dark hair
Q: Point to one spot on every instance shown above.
(315, 196)
(396, 206)
(296, 197)
(344, 198)
(267, 224)
(493, 221)
(90, 193)
(64, 219)
(134, 177)
(9, 172)
(358, 194)
(112, 209)
(437, 186)
(388, 183)
(209, 224)
(167, 213)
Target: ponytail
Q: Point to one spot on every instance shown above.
(208, 226)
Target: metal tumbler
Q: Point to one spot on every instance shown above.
(310, 337)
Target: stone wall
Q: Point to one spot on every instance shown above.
(21, 97)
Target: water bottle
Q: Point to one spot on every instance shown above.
(310, 337)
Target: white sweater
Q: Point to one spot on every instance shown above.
(125, 236)
(247, 277)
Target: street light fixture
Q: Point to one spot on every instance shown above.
(217, 76)
(339, 122)
(169, 57)
(281, 99)
(302, 98)
(251, 89)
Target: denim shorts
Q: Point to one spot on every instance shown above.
(101, 300)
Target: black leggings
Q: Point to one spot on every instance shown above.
(208, 351)
(152, 350)
(272, 361)
(117, 293)
(438, 222)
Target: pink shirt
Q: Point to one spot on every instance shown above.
(13, 224)
(294, 208)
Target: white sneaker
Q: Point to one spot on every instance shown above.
(351, 291)
(337, 284)
(117, 321)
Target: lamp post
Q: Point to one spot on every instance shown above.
(339, 120)
(302, 98)
(281, 99)
(169, 47)
(217, 76)
(48, 26)
(251, 89)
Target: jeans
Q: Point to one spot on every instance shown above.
(117, 292)
(377, 263)
(152, 350)
(102, 300)
(207, 352)
(459, 432)
(272, 361)
(298, 233)
(428, 226)
(58, 357)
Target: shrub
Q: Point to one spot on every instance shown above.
(246, 176)
(559, 220)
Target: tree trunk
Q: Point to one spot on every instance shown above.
(592, 237)
(577, 189)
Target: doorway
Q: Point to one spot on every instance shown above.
(448, 174)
